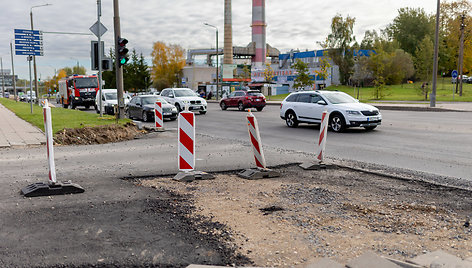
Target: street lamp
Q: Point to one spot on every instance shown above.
(217, 77)
(34, 57)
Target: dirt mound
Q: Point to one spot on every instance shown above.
(97, 135)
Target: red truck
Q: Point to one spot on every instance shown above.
(78, 90)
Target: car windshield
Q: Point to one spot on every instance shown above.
(110, 96)
(258, 94)
(152, 100)
(184, 93)
(86, 82)
(338, 97)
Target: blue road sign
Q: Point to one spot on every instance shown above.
(28, 47)
(28, 37)
(454, 74)
(29, 42)
(23, 31)
(26, 52)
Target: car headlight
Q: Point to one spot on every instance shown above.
(174, 109)
(204, 102)
(75, 98)
(185, 102)
(353, 112)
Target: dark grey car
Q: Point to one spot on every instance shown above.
(142, 107)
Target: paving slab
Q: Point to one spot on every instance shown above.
(15, 132)
(370, 260)
(439, 258)
(323, 263)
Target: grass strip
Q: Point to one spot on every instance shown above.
(61, 118)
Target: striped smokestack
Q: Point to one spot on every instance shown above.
(259, 32)
(228, 46)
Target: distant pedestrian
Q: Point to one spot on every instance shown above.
(209, 95)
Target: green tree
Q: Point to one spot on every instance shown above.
(370, 37)
(410, 27)
(339, 42)
(303, 78)
(79, 70)
(378, 65)
(424, 64)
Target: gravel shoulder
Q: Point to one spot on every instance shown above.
(335, 213)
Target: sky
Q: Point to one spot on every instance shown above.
(292, 24)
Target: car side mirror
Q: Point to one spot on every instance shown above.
(322, 102)
(357, 100)
(171, 96)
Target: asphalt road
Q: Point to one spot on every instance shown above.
(434, 142)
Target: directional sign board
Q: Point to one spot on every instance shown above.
(28, 42)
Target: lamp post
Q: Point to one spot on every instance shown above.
(217, 77)
(34, 57)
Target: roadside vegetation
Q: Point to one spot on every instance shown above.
(403, 92)
(61, 118)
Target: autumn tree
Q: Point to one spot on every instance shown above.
(339, 42)
(303, 78)
(323, 72)
(245, 75)
(167, 64)
(268, 73)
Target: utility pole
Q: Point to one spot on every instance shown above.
(461, 54)
(13, 70)
(435, 64)
(119, 68)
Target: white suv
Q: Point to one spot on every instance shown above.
(180, 97)
(344, 111)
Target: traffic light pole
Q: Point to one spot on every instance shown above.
(99, 14)
(118, 67)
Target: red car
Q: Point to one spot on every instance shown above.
(244, 99)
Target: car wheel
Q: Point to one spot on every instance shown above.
(145, 117)
(370, 128)
(178, 107)
(259, 109)
(337, 123)
(203, 112)
(240, 106)
(223, 105)
(291, 119)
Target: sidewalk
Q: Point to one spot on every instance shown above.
(15, 132)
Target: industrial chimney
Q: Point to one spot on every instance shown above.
(258, 33)
(228, 45)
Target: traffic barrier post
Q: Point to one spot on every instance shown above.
(52, 187)
(158, 116)
(186, 149)
(320, 146)
(254, 135)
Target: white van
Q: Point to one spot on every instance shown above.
(109, 100)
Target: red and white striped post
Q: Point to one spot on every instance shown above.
(159, 122)
(49, 142)
(255, 137)
(186, 147)
(322, 137)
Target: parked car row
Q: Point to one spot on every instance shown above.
(465, 79)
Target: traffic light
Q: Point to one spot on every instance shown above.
(122, 51)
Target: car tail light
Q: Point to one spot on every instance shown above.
(281, 105)
(247, 97)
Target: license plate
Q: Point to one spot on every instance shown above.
(167, 113)
(374, 118)
(258, 100)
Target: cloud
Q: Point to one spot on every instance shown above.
(291, 24)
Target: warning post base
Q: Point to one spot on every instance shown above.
(315, 166)
(193, 175)
(258, 173)
(46, 189)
